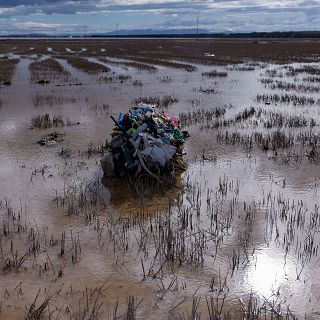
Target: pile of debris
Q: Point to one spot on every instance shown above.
(144, 140)
(51, 139)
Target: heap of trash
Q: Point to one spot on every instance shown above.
(51, 139)
(145, 140)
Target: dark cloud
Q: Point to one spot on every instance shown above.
(18, 7)
(215, 15)
(59, 6)
(71, 7)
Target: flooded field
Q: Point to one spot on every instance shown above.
(237, 236)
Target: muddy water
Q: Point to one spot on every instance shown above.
(245, 190)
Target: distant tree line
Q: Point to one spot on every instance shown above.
(277, 34)
(260, 35)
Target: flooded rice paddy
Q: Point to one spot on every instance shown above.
(237, 236)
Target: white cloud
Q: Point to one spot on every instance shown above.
(44, 26)
(215, 15)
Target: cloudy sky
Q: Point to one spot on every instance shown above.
(70, 16)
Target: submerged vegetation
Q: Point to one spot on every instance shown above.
(130, 64)
(215, 74)
(45, 121)
(7, 67)
(288, 86)
(163, 102)
(235, 236)
(40, 100)
(287, 99)
(47, 70)
(85, 65)
(162, 62)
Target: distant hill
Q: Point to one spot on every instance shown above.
(147, 32)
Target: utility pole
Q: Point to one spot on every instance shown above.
(197, 28)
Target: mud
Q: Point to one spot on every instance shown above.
(237, 236)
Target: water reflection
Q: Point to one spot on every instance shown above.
(8, 126)
(219, 175)
(268, 272)
(141, 196)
